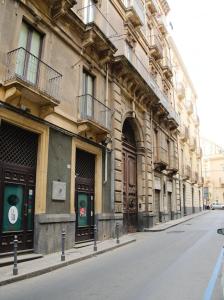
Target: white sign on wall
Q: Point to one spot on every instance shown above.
(59, 190)
(13, 215)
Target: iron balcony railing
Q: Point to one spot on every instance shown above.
(91, 14)
(124, 49)
(173, 162)
(153, 5)
(174, 115)
(23, 65)
(138, 7)
(157, 45)
(89, 108)
(187, 171)
(161, 155)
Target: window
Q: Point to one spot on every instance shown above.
(129, 52)
(27, 63)
(88, 11)
(87, 103)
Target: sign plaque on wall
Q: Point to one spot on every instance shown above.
(59, 190)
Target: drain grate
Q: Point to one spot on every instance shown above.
(176, 231)
(187, 224)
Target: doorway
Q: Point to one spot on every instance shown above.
(84, 195)
(18, 156)
(129, 160)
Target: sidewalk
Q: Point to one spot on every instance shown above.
(52, 262)
(169, 224)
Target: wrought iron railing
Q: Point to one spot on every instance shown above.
(91, 14)
(23, 65)
(161, 155)
(155, 43)
(187, 171)
(89, 108)
(173, 162)
(138, 7)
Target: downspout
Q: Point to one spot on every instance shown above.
(106, 103)
(152, 143)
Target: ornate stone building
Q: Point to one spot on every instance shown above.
(89, 121)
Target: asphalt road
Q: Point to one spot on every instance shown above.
(176, 264)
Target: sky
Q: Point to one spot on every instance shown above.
(198, 31)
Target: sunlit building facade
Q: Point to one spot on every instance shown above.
(91, 122)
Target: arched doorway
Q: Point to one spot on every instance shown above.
(129, 156)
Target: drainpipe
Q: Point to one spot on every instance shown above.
(152, 141)
(106, 103)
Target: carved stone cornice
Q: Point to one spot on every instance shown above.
(61, 7)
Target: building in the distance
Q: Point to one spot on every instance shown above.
(213, 172)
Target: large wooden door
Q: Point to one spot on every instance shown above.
(18, 150)
(84, 196)
(130, 203)
(129, 154)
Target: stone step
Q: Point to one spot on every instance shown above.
(83, 244)
(8, 260)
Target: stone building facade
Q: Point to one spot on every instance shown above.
(189, 146)
(213, 172)
(89, 121)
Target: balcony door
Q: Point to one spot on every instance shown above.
(87, 104)
(29, 49)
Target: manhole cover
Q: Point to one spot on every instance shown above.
(176, 231)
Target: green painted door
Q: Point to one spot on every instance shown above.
(83, 209)
(13, 203)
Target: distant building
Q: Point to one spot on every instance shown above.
(213, 172)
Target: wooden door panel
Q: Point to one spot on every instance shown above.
(130, 204)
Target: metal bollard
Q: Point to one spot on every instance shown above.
(95, 238)
(15, 268)
(63, 234)
(117, 233)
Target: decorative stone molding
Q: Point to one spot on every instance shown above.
(61, 7)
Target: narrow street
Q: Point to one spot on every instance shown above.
(173, 264)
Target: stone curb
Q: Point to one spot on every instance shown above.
(63, 264)
(172, 225)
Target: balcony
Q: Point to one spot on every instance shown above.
(160, 158)
(135, 12)
(184, 133)
(93, 115)
(152, 6)
(180, 90)
(156, 48)
(187, 172)
(132, 69)
(167, 68)
(193, 144)
(200, 181)
(189, 107)
(162, 24)
(32, 78)
(194, 177)
(173, 118)
(173, 164)
(98, 32)
(199, 152)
